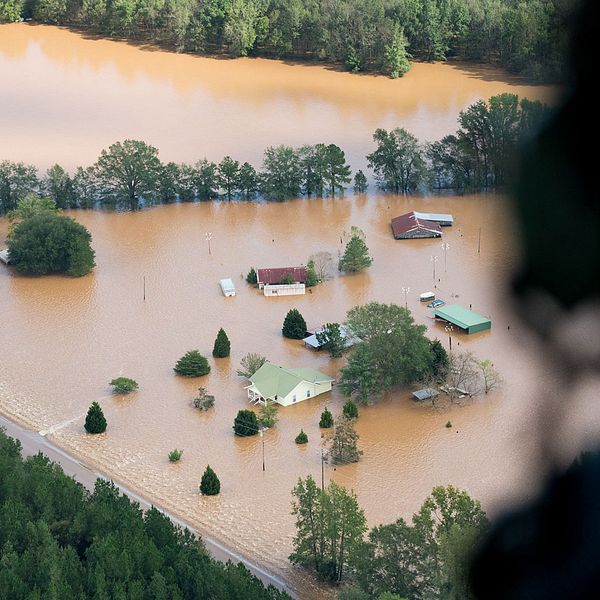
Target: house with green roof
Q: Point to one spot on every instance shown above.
(287, 386)
(464, 318)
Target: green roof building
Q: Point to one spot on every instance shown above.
(286, 386)
(464, 318)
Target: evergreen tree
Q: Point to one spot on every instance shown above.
(331, 339)
(360, 182)
(395, 56)
(350, 410)
(294, 325)
(228, 173)
(252, 278)
(222, 345)
(124, 385)
(210, 484)
(312, 278)
(343, 447)
(246, 423)
(95, 421)
(192, 364)
(356, 255)
(439, 360)
(326, 420)
(301, 438)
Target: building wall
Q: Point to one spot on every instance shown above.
(418, 234)
(305, 391)
(293, 289)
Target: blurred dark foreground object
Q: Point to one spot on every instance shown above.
(551, 548)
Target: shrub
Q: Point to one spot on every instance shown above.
(301, 438)
(250, 364)
(210, 484)
(268, 414)
(449, 424)
(222, 345)
(252, 277)
(246, 423)
(95, 421)
(350, 410)
(294, 325)
(203, 401)
(124, 385)
(192, 364)
(175, 455)
(326, 419)
(311, 275)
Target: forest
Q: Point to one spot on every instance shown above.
(524, 36)
(57, 540)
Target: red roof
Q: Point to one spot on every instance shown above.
(405, 224)
(274, 276)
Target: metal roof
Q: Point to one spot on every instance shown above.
(349, 338)
(273, 380)
(436, 217)
(425, 393)
(274, 276)
(463, 317)
(405, 224)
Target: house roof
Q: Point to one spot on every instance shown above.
(425, 393)
(349, 338)
(274, 276)
(405, 224)
(463, 317)
(273, 380)
(435, 217)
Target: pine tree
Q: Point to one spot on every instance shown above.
(360, 182)
(356, 256)
(246, 423)
(95, 421)
(294, 325)
(192, 364)
(210, 484)
(222, 345)
(326, 419)
(252, 277)
(301, 438)
(350, 410)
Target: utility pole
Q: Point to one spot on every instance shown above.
(208, 237)
(262, 437)
(144, 288)
(322, 471)
(433, 261)
(479, 242)
(445, 246)
(406, 290)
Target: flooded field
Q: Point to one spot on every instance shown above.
(64, 339)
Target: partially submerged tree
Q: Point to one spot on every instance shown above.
(330, 338)
(360, 182)
(323, 265)
(301, 438)
(463, 377)
(209, 484)
(175, 455)
(124, 385)
(252, 277)
(294, 325)
(343, 446)
(222, 346)
(246, 423)
(490, 375)
(326, 421)
(94, 420)
(350, 410)
(268, 414)
(250, 363)
(192, 364)
(203, 399)
(356, 255)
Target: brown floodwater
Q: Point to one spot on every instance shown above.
(65, 97)
(64, 339)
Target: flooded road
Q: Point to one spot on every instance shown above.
(65, 339)
(69, 97)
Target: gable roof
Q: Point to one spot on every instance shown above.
(463, 317)
(405, 224)
(274, 276)
(273, 380)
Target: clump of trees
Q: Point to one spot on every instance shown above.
(42, 242)
(203, 400)
(250, 363)
(192, 364)
(294, 325)
(222, 345)
(209, 484)
(356, 254)
(99, 544)
(124, 385)
(246, 423)
(95, 422)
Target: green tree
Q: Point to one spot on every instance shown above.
(360, 376)
(247, 182)
(267, 414)
(250, 363)
(205, 179)
(240, 27)
(350, 410)
(397, 161)
(294, 325)
(356, 255)
(49, 243)
(128, 172)
(329, 528)
(94, 420)
(252, 277)
(59, 186)
(209, 484)
(192, 364)
(281, 177)
(439, 360)
(326, 420)
(228, 173)
(312, 278)
(301, 438)
(30, 206)
(330, 338)
(246, 423)
(124, 385)
(395, 55)
(16, 181)
(337, 171)
(175, 455)
(10, 12)
(222, 346)
(343, 446)
(360, 182)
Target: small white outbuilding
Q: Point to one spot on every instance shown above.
(227, 287)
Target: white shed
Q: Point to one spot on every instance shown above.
(227, 287)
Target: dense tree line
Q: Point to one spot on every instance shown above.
(58, 540)
(525, 36)
(129, 174)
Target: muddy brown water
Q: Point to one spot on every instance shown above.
(64, 339)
